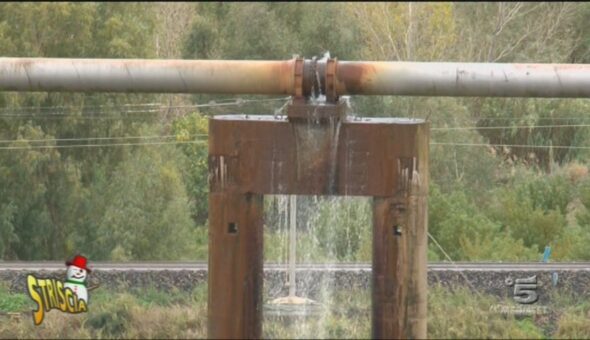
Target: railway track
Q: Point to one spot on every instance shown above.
(200, 266)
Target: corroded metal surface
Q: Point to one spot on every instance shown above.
(145, 75)
(302, 110)
(235, 264)
(298, 77)
(256, 155)
(268, 155)
(463, 79)
(399, 255)
(314, 153)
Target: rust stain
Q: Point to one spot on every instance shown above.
(351, 77)
(244, 158)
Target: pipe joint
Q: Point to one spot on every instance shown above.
(315, 78)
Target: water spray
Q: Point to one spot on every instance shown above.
(386, 159)
(292, 305)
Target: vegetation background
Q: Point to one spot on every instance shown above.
(149, 313)
(488, 201)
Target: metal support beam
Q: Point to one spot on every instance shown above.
(250, 157)
(334, 78)
(257, 155)
(235, 264)
(399, 256)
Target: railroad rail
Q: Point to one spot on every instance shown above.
(200, 266)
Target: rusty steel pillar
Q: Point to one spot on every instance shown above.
(235, 260)
(399, 255)
(317, 150)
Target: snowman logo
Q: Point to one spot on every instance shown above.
(76, 277)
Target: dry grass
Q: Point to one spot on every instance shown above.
(123, 317)
(573, 326)
(460, 314)
(152, 314)
(576, 171)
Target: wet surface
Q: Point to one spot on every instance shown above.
(282, 118)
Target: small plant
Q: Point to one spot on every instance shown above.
(111, 319)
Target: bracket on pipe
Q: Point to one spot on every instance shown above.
(315, 80)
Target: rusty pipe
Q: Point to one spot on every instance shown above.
(279, 77)
(463, 79)
(144, 75)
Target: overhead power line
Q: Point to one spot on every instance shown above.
(515, 145)
(507, 127)
(98, 145)
(32, 147)
(518, 118)
(150, 107)
(95, 138)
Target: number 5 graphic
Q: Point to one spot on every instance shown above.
(525, 290)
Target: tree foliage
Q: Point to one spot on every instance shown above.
(491, 198)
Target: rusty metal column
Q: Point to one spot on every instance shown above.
(399, 249)
(235, 251)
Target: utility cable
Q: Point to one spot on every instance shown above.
(506, 127)
(453, 263)
(515, 145)
(94, 138)
(237, 100)
(97, 145)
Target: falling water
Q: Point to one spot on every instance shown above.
(329, 230)
(292, 243)
(334, 129)
(301, 230)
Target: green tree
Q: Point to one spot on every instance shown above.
(47, 195)
(453, 220)
(39, 199)
(195, 171)
(148, 217)
(339, 226)
(536, 227)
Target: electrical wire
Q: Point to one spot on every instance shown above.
(119, 116)
(452, 262)
(524, 118)
(97, 145)
(212, 102)
(153, 107)
(204, 135)
(94, 138)
(507, 127)
(515, 145)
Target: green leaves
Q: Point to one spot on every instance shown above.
(341, 225)
(195, 171)
(7, 234)
(147, 216)
(271, 31)
(53, 201)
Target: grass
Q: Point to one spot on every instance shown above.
(12, 302)
(461, 314)
(150, 313)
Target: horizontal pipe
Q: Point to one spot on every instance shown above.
(144, 75)
(277, 77)
(463, 79)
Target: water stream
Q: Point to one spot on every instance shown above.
(324, 230)
(314, 229)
